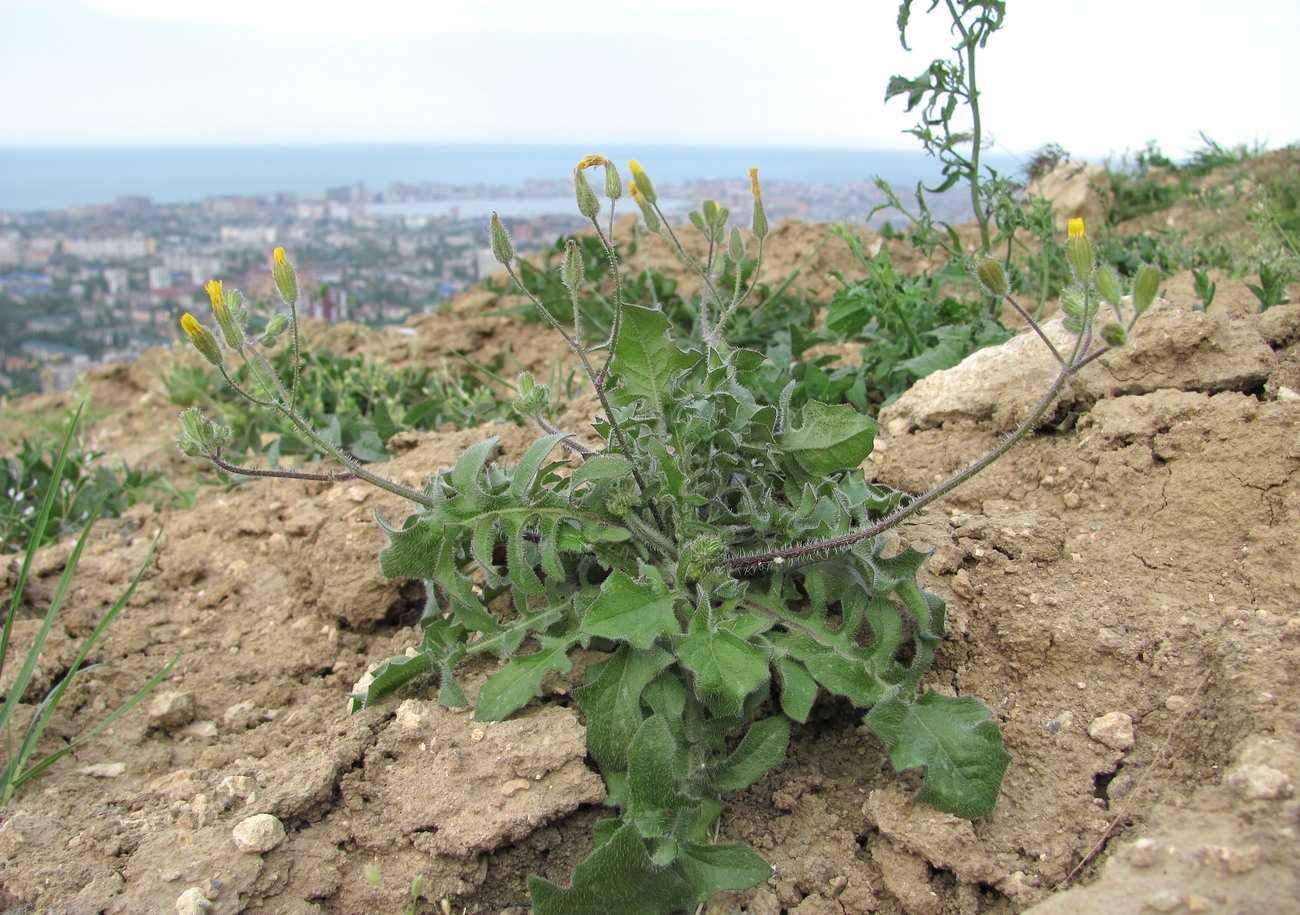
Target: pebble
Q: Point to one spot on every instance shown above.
(103, 770)
(170, 710)
(238, 786)
(1115, 730)
(1143, 853)
(192, 902)
(1259, 783)
(1164, 901)
(1111, 639)
(258, 834)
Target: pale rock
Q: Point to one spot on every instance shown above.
(1256, 782)
(1076, 189)
(1115, 730)
(258, 834)
(192, 902)
(169, 710)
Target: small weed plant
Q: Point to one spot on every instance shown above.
(18, 766)
(719, 546)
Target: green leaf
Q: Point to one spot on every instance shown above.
(762, 749)
(621, 877)
(831, 439)
(653, 788)
(600, 467)
(645, 360)
(798, 689)
(630, 611)
(611, 700)
(955, 739)
(511, 687)
(726, 667)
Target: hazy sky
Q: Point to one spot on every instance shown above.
(1097, 77)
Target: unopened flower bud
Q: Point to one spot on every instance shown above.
(502, 249)
(760, 214)
(992, 277)
(1078, 251)
(571, 272)
(1114, 334)
(736, 248)
(1108, 283)
(533, 398)
(286, 278)
(647, 211)
(277, 325)
(642, 182)
(588, 202)
(231, 328)
(1145, 286)
(202, 338)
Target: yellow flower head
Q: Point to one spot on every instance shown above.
(753, 183)
(217, 296)
(642, 182)
(635, 192)
(590, 161)
(281, 259)
(1076, 228)
(202, 338)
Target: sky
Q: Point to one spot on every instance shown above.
(1098, 78)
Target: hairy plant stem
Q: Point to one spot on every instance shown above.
(580, 351)
(354, 468)
(793, 553)
(977, 136)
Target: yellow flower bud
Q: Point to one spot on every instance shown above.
(1078, 251)
(202, 338)
(642, 181)
(286, 278)
(759, 224)
(228, 323)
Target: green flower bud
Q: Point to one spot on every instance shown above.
(613, 182)
(588, 202)
(1114, 334)
(533, 398)
(286, 279)
(623, 498)
(992, 277)
(736, 249)
(571, 272)
(1108, 282)
(502, 249)
(699, 555)
(277, 325)
(1078, 251)
(202, 338)
(1145, 286)
(1072, 302)
(200, 436)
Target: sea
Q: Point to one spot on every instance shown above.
(57, 178)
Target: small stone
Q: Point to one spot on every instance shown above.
(1242, 860)
(170, 710)
(199, 730)
(1111, 639)
(238, 786)
(410, 716)
(1177, 704)
(103, 770)
(514, 786)
(192, 902)
(1061, 722)
(1143, 853)
(1115, 730)
(1164, 901)
(1198, 903)
(1259, 783)
(258, 834)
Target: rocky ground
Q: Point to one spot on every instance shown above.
(1122, 592)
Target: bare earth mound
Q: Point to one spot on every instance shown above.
(1122, 593)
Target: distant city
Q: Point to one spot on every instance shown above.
(87, 285)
